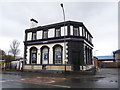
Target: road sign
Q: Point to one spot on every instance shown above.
(66, 60)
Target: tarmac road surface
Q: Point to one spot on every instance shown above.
(106, 78)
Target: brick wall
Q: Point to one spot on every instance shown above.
(110, 64)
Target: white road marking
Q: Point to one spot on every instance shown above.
(61, 86)
(2, 81)
(6, 80)
(38, 77)
(50, 82)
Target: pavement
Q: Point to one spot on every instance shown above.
(106, 78)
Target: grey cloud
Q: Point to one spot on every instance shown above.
(99, 17)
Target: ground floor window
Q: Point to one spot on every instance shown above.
(45, 55)
(33, 55)
(57, 54)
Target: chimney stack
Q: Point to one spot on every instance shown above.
(33, 23)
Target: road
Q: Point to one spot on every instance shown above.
(106, 78)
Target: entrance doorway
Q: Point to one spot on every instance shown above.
(76, 60)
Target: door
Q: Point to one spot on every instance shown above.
(76, 60)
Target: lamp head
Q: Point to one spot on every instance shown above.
(61, 5)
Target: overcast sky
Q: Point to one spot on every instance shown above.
(100, 18)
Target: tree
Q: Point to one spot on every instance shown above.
(8, 57)
(14, 48)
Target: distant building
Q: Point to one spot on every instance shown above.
(17, 65)
(2, 54)
(108, 61)
(109, 58)
(2, 64)
(103, 60)
(117, 57)
(47, 46)
(95, 62)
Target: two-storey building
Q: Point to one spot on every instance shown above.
(47, 47)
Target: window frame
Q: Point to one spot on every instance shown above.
(59, 32)
(42, 48)
(43, 34)
(83, 32)
(31, 53)
(34, 37)
(56, 46)
(78, 32)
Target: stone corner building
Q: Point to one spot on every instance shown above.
(46, 46)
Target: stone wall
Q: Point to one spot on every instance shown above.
(47, 67)
(54, 67)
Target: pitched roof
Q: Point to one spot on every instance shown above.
(105, 58)
(116, 51)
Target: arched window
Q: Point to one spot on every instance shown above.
(45, 55)
(33, 55)
(57, 49)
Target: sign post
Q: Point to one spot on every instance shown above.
(65, 60)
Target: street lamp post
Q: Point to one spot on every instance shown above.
(64, 35)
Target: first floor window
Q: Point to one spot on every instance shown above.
(34, 36)
(57, 33)
(45, 34)
(83, 32)
(33, 55)
(76, 31)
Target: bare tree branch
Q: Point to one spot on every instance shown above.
(14, 48)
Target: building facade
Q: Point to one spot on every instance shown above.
(58, 47)
(117, 57)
